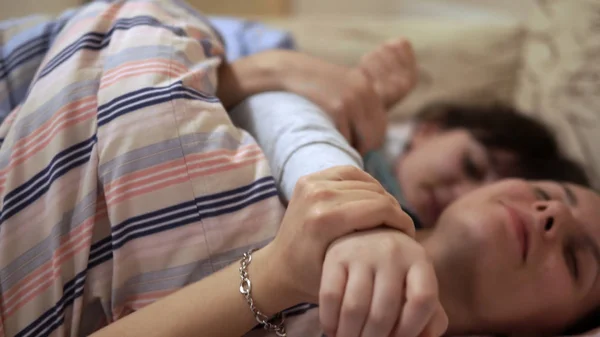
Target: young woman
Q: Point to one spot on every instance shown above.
(123, 182)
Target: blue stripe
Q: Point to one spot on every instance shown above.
(66, 160)
(54, 317)
(146, 97)
(24, 53)
(187, 213)
(102, 251)
(97, 41)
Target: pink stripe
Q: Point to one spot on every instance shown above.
(156, 71)
(57, 272)
(25, 148)
(114, 186)
(35, 216)
(148, 63)
(74, 244)
(148, 185)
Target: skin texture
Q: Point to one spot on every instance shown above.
(476, 247)
(357, 98)
(441, 166)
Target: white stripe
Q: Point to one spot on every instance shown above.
(156, 217)
(124, 191)
(164, 224)
(131, 67)
(48, 131)
(128, 181)
(45, 178)
(134, 100)
(56, 313)
(66, 53)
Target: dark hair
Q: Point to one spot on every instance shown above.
(498, 126)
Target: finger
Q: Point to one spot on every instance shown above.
(403, 51)
(353, 185)
(407, 54)
(421, 300)
(438, 324)
(357, 301)
(389, 59)
(370, 213)
(385, 306)
(377, 64)
(369, 65)
(331, 294)
(341, 173)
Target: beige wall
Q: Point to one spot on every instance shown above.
(17, 8)
(514, 8)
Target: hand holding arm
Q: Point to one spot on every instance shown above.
(380, 283)
(325, 206)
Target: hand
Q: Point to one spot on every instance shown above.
(392, 68)
(346, 94)
(379, 283)
(325, 206)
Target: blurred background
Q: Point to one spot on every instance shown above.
(259, 8)
(539, 55)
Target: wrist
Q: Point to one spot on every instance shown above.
(270, 292)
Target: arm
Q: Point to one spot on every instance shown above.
(287, 271)
(211, 307)
(346, 94)
(297, 137)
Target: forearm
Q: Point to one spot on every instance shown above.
(297, 137)
(250, 75)
(211, 307)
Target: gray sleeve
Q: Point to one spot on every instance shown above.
(297, 137)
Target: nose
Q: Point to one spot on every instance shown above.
(552, 218)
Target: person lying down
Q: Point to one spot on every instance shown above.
(446, 151)
(128, 194)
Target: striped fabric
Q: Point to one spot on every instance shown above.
(122, 178)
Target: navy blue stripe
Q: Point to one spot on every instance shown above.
(101, 251)
(53, 317)
(33, 50)
(147, 97)
(68, 158)
(185, 205)
(186, 216)
(187, 221)
(236, 190)
(97, 41)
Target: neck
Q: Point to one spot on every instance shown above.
(454, 293)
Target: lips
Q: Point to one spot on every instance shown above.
(519, 227)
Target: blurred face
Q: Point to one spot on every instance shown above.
(444, 165)
(528, 253)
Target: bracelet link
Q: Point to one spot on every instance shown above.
(246, 291)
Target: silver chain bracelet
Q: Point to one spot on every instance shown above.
(246, 290)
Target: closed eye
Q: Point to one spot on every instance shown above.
(542, 194)
(471, 168)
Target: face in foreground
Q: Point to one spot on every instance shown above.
(526, 255)
(444, 165)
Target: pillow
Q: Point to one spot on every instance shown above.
(560, 79)
(459, 61)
